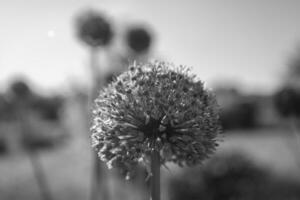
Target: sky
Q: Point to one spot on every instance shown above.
(244, 42)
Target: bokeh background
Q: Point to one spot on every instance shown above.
(56, 55)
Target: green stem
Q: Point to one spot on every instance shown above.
(155, 178)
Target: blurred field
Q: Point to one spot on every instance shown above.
(56, 129)
(68, 168)
(275, 149)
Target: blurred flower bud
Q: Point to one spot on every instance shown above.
(20, 89)
(139, 39)
(287, 101)
(94, 29)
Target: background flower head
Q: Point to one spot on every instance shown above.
(155, 106)
(139, 39)
(287, 101)
(94, 29)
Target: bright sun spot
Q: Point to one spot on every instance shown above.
(51, 33)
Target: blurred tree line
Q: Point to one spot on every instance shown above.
(249, 111)
(246, 111)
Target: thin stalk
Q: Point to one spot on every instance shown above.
(295, 132)
(293, 125)
(40, 176)
(155, 178)
(97, 179)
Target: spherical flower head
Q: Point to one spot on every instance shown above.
(155, 106)
(139, 39)
(20, 89)
(94, 29)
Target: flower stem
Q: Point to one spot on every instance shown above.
(98, 186)
(155, 178)
(38, 172)
(40, 176)
(293, 125)
(296, 139)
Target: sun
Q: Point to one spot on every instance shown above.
(51, 33)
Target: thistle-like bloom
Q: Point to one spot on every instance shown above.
(155, 106)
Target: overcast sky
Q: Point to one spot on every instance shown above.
(247, 42)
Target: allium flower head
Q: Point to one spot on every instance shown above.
(155, 106)
(94, 29)
(20, 89)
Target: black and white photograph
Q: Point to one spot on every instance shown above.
(149, 100)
